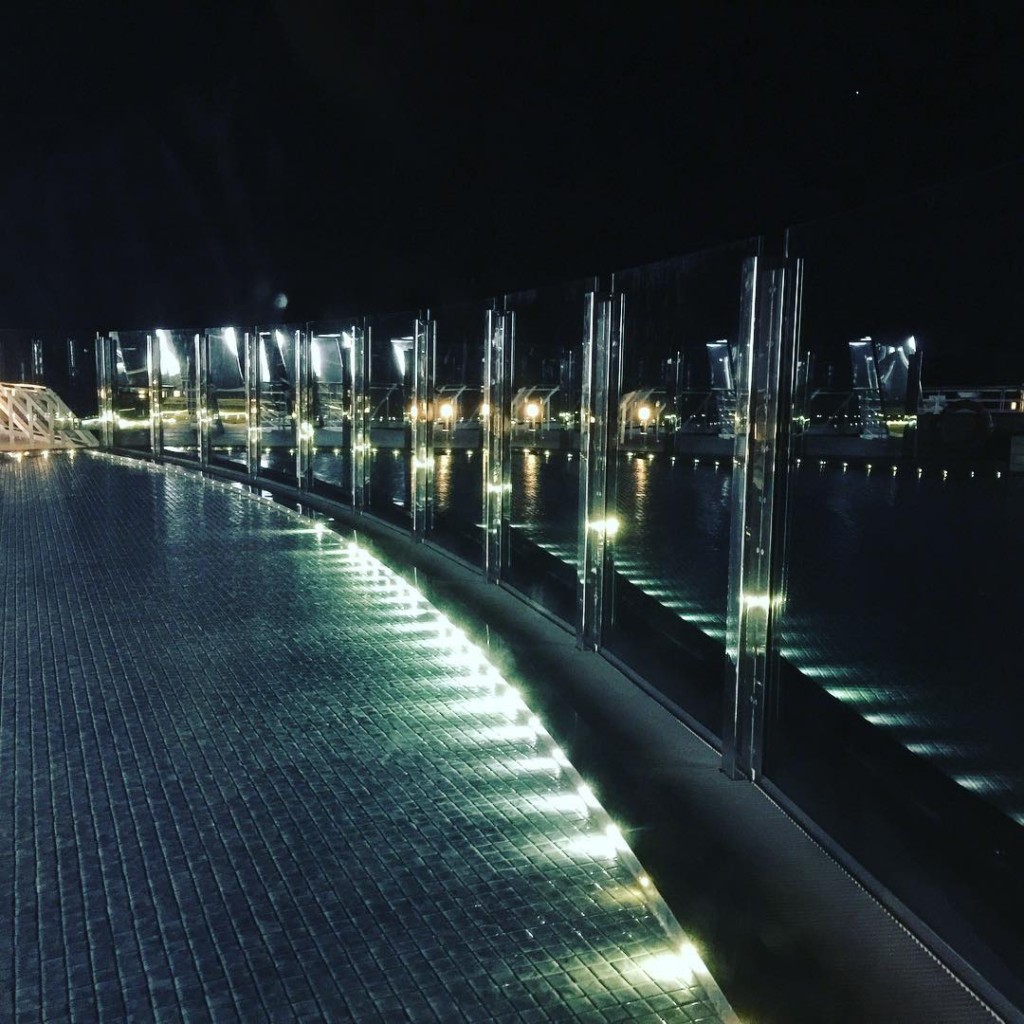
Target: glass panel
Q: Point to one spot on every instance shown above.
(897, 719)
(64, 362)
(130, 351)
(79, 389)
(16, 357)
(673, 474)
(276, 351)
(390, 393)
(333, 349)
(227, 410)
(458, 431)
(548, 342)
(179, 378)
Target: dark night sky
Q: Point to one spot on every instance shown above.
(184, 164)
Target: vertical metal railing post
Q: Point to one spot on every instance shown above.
(204, 403)
(359, 438)
(252, 403)
(601, 382)
(496, 414)
(190, 384)
(105, 390)
(156, 421)
(422, 427)
(38, 369)
(766, 366)
(303, 411)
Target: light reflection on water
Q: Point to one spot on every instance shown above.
(443, 480)
(895, 582)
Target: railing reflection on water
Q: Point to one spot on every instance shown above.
(745, 505)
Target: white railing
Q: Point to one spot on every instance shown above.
(33, 418)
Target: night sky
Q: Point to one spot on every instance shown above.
(190, 164)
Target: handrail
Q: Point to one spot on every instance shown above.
(34, 417)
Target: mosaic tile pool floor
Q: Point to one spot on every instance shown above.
(248, 774)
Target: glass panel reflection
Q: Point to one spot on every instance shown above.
(548, 341)
(674, 474)
(130, 382)
(227, 408)
(334, 349)
(276, 354)
(458, 433)
(62, 361)
(390, 396)
(898, 683)
(16, 357)
(179, 400)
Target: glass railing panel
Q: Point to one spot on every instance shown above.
(79, 388)
(64, 361)
(17, 365)
(457, 521)
(228, 411)
(179, 391)
(390, 397)
(897, 704)
(673, 474)
(546, 381)
(132, 401)
(277, 353)
(333, 349)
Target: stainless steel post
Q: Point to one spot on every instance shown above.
(359, 436)
(422, 427)
(763, 416)
(497, 440)
(601, 383)
(156, 388)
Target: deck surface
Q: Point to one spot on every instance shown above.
(248, 774)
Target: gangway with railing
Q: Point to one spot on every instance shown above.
(35, 418)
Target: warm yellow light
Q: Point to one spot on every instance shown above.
(668, 968)
(447, 411)
(532, 410)
(413, 411)
(644, 414)
(485, 409)
(606, 527)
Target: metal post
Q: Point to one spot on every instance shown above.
(303, 411)
(104, 390)
(204, 345)
(156, 422)
(191, 386)
(38, 371)
(252, 403)
(497, 440)
(422, 427)
(359, 400)
(601, 383)
(766, 367)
